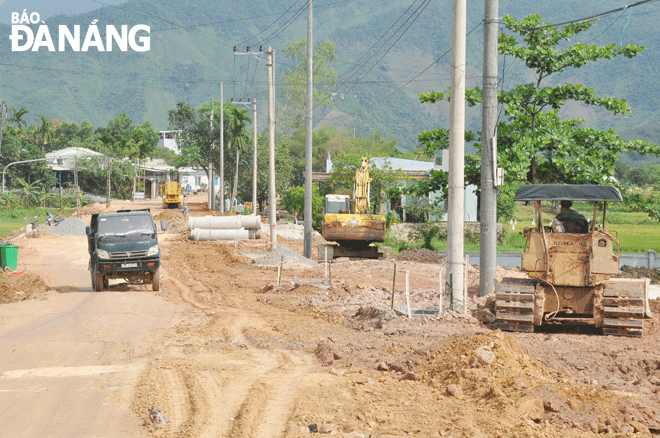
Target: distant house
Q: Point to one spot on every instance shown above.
(195, 178)
(154, 173)
(413, 170)
(65, 163)
(168, 139)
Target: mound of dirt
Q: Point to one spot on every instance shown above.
(638, 272)
(210, 256)
(486, 365)
(93, 208)
(20, 287)
(493, 371)
(421, 255)
(176, 221)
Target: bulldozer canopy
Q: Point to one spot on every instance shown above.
(570, 192)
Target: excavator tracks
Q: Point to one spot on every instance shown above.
(514, 307)
(624, 307)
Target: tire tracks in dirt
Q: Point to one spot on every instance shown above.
(210, 379)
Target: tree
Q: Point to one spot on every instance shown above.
(195, 137)
(45, 131)
(343, 172)
(17, 117)
(8, 198)
(283, 171)
(293, 201)
(117, 136)
(535, 144)
(31, 191)
(235, 130)
(295, 81)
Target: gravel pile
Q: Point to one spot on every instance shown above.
(71, 226)
(272, 258)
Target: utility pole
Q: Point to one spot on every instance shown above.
(254, 158)
(488, 232)
(221, 189)
(307, 217)
(211, 182)
(456, 186)
(272, 201)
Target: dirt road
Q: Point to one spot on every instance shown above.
(222, 351)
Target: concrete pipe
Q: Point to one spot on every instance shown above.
(224, 222)
(237, 234)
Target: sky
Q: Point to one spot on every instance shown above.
(50, 8)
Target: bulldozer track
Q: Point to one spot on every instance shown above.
(514, 307)
(623, 307)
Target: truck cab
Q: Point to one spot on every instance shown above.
(124, 244)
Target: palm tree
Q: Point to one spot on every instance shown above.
(31, 191)
(17, 117)
(237, 137)
(45, 132)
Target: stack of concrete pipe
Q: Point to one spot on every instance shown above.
(224, 227)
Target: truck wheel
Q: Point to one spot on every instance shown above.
(155, 280)
(97, 281)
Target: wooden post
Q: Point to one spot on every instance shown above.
(326, 263)
(280, 268)
(393, 284)
(408, 293)
(465, 285)
(442, 298)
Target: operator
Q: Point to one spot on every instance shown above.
(572, 221)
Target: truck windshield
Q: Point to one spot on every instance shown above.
(129, 224)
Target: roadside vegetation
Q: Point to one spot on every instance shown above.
(637, 231)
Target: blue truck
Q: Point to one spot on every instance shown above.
(124, 245)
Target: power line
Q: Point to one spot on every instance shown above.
(271, 24)
(591, 17)
(431, 65)
(423, 7)
(285, 26)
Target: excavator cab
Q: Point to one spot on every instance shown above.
(570, 274)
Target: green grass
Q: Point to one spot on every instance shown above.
(637, 233)
(19, 217)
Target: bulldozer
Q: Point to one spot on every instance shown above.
(172, 194)
(352, 227)
(570, 274)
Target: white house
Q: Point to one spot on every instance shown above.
(168, 139)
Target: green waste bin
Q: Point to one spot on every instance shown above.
(8, 256)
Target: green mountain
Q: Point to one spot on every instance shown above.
(191, 53)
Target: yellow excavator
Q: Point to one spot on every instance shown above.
(172, 194)
(570, 273)
(352, 227)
